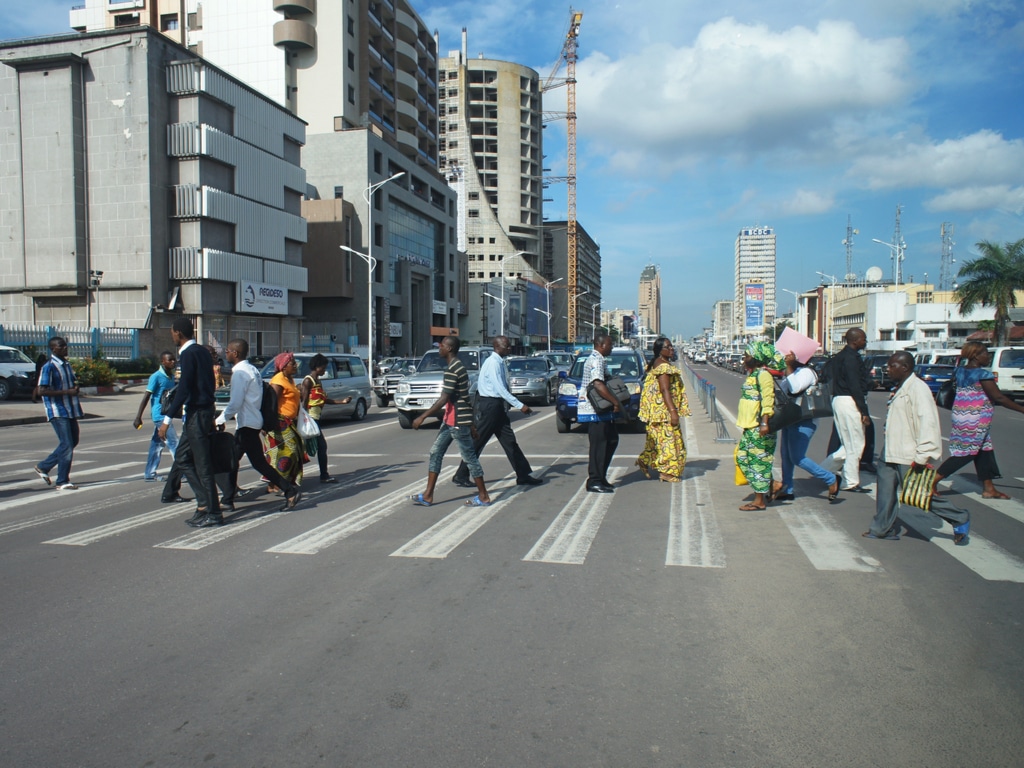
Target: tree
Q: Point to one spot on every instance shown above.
(991, 280)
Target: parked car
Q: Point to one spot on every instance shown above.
(623, 362)
(878, 371)
(563, 360)
(385, 385)
(418, 391)
(937, 357)
(934, 375)
(533, 378)
(700, 356)
(1008, 366)
(17, 373)
(345, 377)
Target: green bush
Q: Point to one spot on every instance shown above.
(143, 366)
(93, 373)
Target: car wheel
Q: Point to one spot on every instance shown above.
(360, 412)
(547, 396)
(5, 389)
(383, 401)
(404, 421)
(562, 425)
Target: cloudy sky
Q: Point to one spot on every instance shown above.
(697, 119)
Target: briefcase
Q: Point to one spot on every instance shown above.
(619, 390)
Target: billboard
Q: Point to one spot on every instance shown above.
(753, 308)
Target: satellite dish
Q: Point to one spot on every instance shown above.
(873, 275)
(851, 277)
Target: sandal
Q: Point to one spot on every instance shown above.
(751, 507)
(667, 478)
(833, 490)
(419, 501)
(996, 495)
(776, 487)
(644, 468)
(476, 501)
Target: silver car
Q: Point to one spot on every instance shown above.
(533, 378)
(563, 360)
(345, 377)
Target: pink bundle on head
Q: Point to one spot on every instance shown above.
(281, 361)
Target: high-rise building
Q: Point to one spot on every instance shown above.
(755, 264)
(723, 321)
(555, 263)
(491, 150)
(649, 301)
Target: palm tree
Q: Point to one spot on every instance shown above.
(991, 280)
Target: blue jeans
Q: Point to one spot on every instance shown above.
(156, 449)
(793, 442)
(464, 438)
(67, 439)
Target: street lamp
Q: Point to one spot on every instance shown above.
(897, 255)
(548, 316)
(503, 262)
(796, 305)
(831, 308)
(95, 278)
(371, 264)
(547, 289)
(503, 305)
(576, 312)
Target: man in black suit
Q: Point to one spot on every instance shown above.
(195, 394)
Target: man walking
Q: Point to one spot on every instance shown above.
(604, 433)
(161, 381)
(492, 416)
(456, 425)
(912, 439)
(194, 455)
(849, 407)
(244, 407)
(59, 391)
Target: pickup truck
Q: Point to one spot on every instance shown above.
(385, 385)
(418, 391)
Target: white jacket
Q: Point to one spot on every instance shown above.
(912, 434)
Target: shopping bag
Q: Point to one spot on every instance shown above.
(306, 425)
(739, 477)
(917, 488)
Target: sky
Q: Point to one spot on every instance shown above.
(698, 119)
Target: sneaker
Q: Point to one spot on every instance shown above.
(67, 487)
(43, 476)
(153, 479)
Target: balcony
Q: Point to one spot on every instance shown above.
(295, 6)
(294, 34)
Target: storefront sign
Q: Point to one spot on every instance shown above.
(262, 298)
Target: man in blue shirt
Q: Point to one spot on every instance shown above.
(63, 410)
(161, 381)
(492, 416)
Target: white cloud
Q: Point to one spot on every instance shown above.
(1001, 197)
(806, 202)
(738, 87)
(984, 158)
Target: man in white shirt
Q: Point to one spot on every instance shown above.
(244, 407)
(492, 416)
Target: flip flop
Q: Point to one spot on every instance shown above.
(476, 502)
(751, 508)
(420, 501)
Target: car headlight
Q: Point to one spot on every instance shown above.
(403, 388)
(566, 388)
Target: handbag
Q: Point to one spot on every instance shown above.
(947, 394)
(306, 425)
(619, 390)
(738, 477)
(815, 402)
(917, 488)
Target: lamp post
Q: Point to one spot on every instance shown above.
(831, 308)
(548, 316)
(371, 264)
(503, 304)
(547, 290)
(796, 304)
(897, 255)
(95, 278)
(503, 262)
(576, 302)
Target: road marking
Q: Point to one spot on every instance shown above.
(38, 484)
(92, 535)
(694, 539)
(827, 546)
(1009, 507)
(569, 537)
(74, 511)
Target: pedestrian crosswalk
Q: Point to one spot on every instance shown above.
(694, 535)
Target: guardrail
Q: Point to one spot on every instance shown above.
(706, 393)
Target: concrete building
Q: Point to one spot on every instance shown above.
(587, 294)
(491, 150)
(127, 157)
(723, 322)
(620, 319)
(649, 301)
(754, 263)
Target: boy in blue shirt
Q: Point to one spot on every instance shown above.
(159, 382)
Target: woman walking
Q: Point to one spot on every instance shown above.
(794, 439)
(313, 400)
(757, 402)
(662, 400)
(284, 448)
(969, 437)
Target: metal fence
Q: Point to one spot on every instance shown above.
(706, 392)
(115, 343)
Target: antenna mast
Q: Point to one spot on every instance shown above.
(946, 266)
(899, 247)
(848, 242)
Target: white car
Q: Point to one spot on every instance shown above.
(17, 373)
(700, 356)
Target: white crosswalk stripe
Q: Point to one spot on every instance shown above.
(827, 546)
(1009, 507)
(693, 536)
(91, 536)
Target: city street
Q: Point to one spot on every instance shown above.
(656, 626)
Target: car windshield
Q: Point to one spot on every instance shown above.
(402, 366)
(565, 359)
(14, 356)
(538, 365)
(622, 364)
(432, 361)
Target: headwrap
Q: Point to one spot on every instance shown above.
(281, 361)
(766, 354)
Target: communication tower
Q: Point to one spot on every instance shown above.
(946, 266)
(898, 250)
(848, 242)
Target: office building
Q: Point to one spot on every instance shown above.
(587, 291)
(649, 301)
(723, 320)
(755, 265)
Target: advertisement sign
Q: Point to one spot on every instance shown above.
(395, 330)
(440, 307)
(262, 298)
(753, 302)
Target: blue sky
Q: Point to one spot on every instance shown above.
(697, 119)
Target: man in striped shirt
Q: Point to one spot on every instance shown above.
(457, 425)
(63, 410)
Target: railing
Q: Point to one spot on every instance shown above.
(116, 343)
(706, 393)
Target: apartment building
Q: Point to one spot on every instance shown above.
(649, 301)
(723, 322)
(127, 157)
(755, 264)
(587, 295)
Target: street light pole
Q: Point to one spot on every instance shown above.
(897, 254)
(831, 309)
(503, 304)
(95, 278)
(547, 289)
(576, 312)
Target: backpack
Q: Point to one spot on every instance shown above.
(268, 408)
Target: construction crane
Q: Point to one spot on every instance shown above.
(568, 55)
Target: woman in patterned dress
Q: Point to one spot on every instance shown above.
(285, 452)
(756, 448)
(662, 401)
(969, 437)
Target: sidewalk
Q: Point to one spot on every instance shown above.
(104, 404)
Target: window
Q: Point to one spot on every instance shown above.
(474, 195)
(343, 368)
(350, 25)
(473, 213)
(351, 95)
(169, 22)
(378, 161)
(351, 60)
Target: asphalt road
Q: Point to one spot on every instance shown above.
(658, 626)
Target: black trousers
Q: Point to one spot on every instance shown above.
(194, 459)
(604, 439)
(321, 451)
(492, 419)
(867, 456)
(984, 464)
(249, 440)
(227, 481)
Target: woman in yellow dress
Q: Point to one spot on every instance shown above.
(285, 451)
(662, 402)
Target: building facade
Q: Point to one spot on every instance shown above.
(649, 301)
(723, 322)
(139, 183)
(754, 264)
(586, 292)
